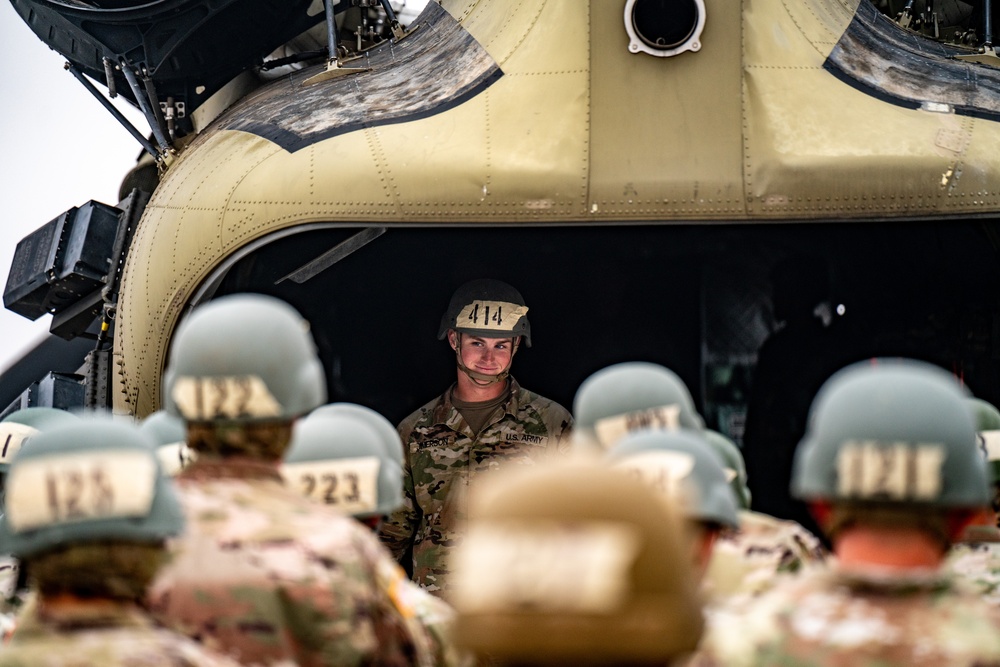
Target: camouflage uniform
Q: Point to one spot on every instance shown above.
(271, 578)
(825, 617)
(443, 456)
(116, 635)
(978, 564)
(747, 560)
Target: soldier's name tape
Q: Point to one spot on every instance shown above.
(69, 488)
(224, 397)
(12, 436)
(991, 442)
(544, 566)
(893, 471)
(350, 485)
(490, 315)
(663, 471)
(612, 429)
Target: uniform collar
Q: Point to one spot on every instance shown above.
(448, 415)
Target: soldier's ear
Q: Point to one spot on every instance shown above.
(453, 339)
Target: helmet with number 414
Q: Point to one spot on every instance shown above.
(242, 359)
(891, 432)
(94, 480)
(488, 308)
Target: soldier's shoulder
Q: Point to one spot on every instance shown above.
(532, 402)
(421, 417)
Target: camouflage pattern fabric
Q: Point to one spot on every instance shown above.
(438, 618)
(751, 560)
(978, 564)
(271, 578)
(443, 457)
(827, 618)
(116, 635)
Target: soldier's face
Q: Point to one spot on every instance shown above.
(485, 355)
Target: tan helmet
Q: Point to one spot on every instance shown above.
(574, 563)
(491, 309)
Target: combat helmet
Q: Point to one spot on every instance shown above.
(242, 359)
(167, 433)
(682, 467)
(891, 432)
(90, 481)
(388, 434)
(628, 397)
(570, 564)
(491, 309)
(988, 426)
(340, 459)
(20, 425)
(732, 463)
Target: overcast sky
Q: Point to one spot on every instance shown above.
(60, 148)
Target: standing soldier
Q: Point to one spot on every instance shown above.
(88, 511)
(261, 571)
(347, 456)
(890, 467)
(639, 396)
(483, 422)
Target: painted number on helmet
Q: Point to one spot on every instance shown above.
(12, 436)
(350, 485)
(991, 444)
(662, 471)
(612, 429)
(211, 398)
(80, 487)
(893, 471)
(550, 567)
(499, 315)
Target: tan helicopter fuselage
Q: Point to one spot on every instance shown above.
(537, 114)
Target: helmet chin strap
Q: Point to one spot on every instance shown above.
(482, 379)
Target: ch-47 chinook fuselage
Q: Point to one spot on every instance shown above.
(637, 169)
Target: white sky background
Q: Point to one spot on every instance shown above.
(59, 148)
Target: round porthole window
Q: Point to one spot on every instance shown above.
(664, 27)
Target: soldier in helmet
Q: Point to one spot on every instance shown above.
(891, 469)
(262, 572)
(745, 561)
(637, 396)
(88, 512)
(681, 467)
(977, 558)
(15, 429)
(484, 421)
(348, 457)
(574, 565)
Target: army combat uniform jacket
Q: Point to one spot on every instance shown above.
(826, 617)
(978, 564)
(270, 578)
(443, 457)
(118, 636)
(750, 560)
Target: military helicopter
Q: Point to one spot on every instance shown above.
(639, 169)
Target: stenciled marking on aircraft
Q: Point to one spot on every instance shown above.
(436, 68)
